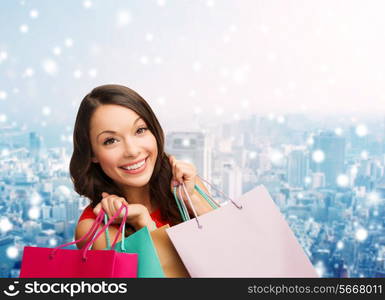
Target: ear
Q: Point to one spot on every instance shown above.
(94, 159)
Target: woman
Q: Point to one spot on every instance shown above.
(119, 158)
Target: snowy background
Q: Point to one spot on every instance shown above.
(212, 60)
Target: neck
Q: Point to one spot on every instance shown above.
(138, 195)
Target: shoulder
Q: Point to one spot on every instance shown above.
(87, 213)
(82, 228)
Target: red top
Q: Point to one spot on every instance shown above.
(155, 216)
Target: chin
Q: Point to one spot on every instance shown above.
(140, 182)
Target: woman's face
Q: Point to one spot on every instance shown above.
(123, 145)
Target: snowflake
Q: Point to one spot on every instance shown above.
(3, 56)
(50, 66)
(33, 14)
(3, 95)
(197, 66)
(34, 213)
(361, 130)
(5, 225)
(46, 111)
(92, 73)
(12, 252)
(144, 60)
(343, 180)
(56, 50)
(29, 72)
(158, 60)
(87, 4)
(123, 18)
(161, 2)
(149, 37)
(3, 118)
(77, 74)
(68, 42)
(24, 28)
(318, 156)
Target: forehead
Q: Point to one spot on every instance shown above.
(112, 117)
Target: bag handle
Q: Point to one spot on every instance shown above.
(190, 202)
(237, 204)
(182, 208)
(122, 224)
(90, 232)
(182, 205)
(108, 241)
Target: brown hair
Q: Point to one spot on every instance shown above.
(90, 180)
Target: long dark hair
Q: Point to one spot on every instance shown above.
(90, 180)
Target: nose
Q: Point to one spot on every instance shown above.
(131, 149)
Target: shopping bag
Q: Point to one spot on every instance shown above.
(140, 242)
(245, 238)
(168, 257)
(38, 262)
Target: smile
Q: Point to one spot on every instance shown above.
(135, 168)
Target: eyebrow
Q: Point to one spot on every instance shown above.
(113, 132)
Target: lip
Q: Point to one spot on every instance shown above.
(138, 161)
(140, 170)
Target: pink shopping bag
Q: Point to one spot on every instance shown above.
(245, 238)
(40, 262)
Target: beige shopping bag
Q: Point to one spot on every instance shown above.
(169, 258)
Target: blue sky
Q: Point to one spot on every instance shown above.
(216, 60)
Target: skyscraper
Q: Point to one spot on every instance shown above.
(192, 147)
(297, 167)
(333, 149)
(35, 145)
(231, 180)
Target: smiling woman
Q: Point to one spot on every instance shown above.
(119, 158)
(128, 149)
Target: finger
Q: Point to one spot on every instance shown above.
(105, 207)
(111, 205)
(184, 171)
(97, 209)
(117, 202)
(176, 173)
(179, 173)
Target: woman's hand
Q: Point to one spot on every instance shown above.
(184, 172)
(137, 214)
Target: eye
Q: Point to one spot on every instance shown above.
(108, 141)
(142, 130)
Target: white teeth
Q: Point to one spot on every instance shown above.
(136, 166)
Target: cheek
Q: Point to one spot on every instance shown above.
(107, 158)
(154, 147)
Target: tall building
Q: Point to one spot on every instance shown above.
(192, 147)
(333, 148)
(59, 212)
(231, 180)
(318, 180)
(297, 168)
(35, 145)
(357, 143)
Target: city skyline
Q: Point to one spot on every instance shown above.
(339, 224)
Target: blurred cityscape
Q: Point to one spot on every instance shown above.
(328, 182)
